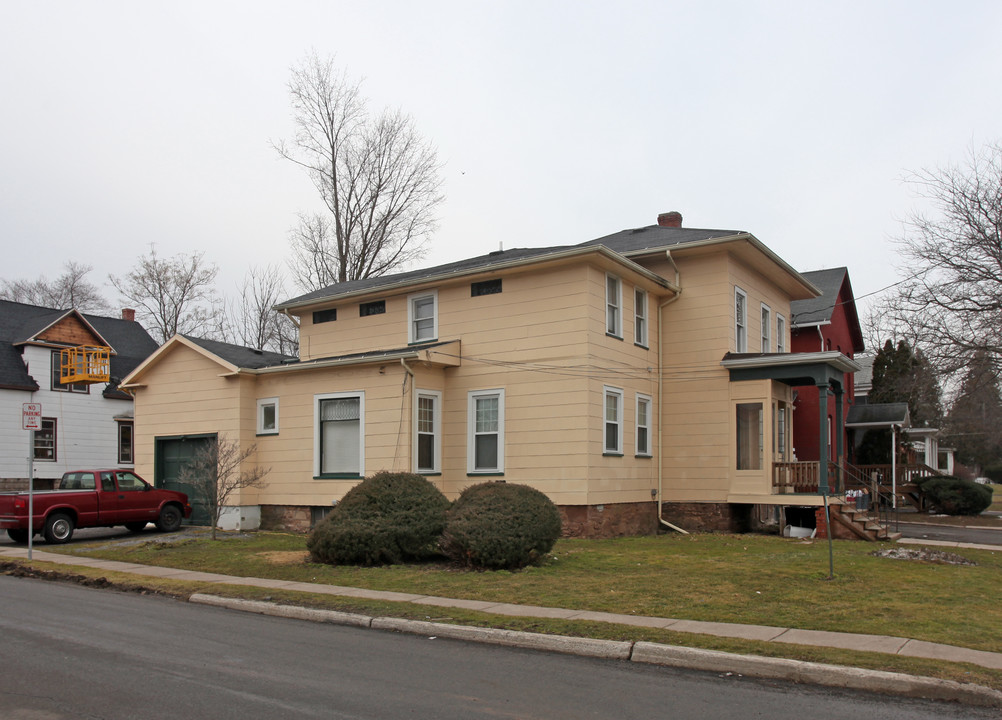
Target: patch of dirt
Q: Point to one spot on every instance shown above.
(923, 555)
(286, 557)
(15, 569)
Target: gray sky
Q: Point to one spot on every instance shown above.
(130, 123)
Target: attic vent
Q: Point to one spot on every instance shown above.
(376, 307)
(322, 316)
(486, 287)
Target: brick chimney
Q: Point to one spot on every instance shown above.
(670, 219)
(129, 314)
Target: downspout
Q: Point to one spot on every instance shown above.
(407, 369)
(661, 307)
(821, 338)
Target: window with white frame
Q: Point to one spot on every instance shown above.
(612, 403)
(45, 440)
(422, 317)
(613, 306)
(485, 428)
(781, 435)
(643, 425)
(640, 317)
(428, 431)
(267, 416)
(339, 441)
(740, 321)
(780, 333)
(766, 328)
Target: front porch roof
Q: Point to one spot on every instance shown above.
(816, 368)
(878, 415)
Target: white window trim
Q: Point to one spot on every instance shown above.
(641, 399)
(766, 313)
(260, 416)
(617, 303)
(317, 428)
(640, 315)
(436, 431)
(780, 333)
(607, 392)
(411, 299)
(471, 431)
(740, 330)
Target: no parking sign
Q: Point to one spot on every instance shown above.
(31, 416)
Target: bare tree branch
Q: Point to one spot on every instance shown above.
(69, 290)
(377, 177)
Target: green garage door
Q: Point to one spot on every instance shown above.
(172, 454)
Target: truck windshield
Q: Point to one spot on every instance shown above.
(77, 481)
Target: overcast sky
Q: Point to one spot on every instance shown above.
(130, 123)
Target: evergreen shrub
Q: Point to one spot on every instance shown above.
(500, 526)
(955, 496)
(387, 518)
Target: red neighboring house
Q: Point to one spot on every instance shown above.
(828, 322)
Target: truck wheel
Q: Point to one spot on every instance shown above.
(18, 536)
(58, 528)
(170, 519)
(135, 526)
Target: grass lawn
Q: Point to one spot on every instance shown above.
(731, 578)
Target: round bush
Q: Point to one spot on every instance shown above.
(956, 496)
(500, 526)
(387, 518)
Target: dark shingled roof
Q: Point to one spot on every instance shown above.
(483, 262)
(819, 309)
(655, 237)
(242, 357)
(130, 343)
(885, 414)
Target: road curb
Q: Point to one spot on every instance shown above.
(800, 671)
(649, 653)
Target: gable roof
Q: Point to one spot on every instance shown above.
(22, 324)
(833, 283)
(233, 358)
(656, 237)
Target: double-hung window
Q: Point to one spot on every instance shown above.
(339, 441)
(422, 317)
(428, 431)
(643, 425)
(766, 328)
(740, 321)
(640, 317)
(612, 402)
(780, 334)
(749, 436)
(57, 373)
(613, 306)
(45, 440)
(485, 419)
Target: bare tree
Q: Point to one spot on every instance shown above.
(952, 297)
(172, 295)
(219, 469)
(378, 178)
(69, 290)
(251, 319)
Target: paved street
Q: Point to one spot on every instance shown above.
(72, 652)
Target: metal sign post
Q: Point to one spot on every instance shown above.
(31, 420)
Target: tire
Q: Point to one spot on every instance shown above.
(135, 526)
(170, 519)
(18, 536)
(58, 528)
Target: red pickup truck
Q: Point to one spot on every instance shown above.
(93, 498)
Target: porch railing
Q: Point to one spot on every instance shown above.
(805, 477)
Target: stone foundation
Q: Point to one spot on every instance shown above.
(286, 518)
(21, 484)
(606, 521)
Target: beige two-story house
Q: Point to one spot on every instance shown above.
(643, 377)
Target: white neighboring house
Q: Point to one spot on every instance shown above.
(82, 425)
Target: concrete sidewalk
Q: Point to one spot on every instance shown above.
(763, 633)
